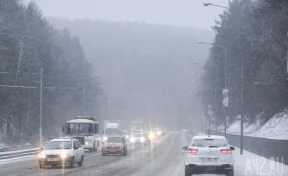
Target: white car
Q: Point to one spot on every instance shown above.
(62, 151)
(137, 138)
(209, 154)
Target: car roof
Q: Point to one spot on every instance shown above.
(62, 139)
(81, 121)
(209, 137)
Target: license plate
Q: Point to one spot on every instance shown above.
(210, 160)
(52, 159)
(112, 151)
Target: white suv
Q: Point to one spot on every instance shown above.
(63, 151)
(209, 154)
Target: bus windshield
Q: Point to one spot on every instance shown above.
(79, 129)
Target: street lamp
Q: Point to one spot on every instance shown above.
(242, 76)
(207, 3)
(225, 76)
(223, 7)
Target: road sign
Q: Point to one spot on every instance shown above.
(225, 98)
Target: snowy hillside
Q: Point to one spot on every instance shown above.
(275, 128)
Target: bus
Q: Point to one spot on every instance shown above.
(85, 129)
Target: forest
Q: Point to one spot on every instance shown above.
(29, 44)
(254, 36)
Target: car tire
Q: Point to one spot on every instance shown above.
(41, 165)
(80, 164)
(94, 147)
(104, 153)
(230, 172)
(187, 173)
(123, 152)
(71, 165)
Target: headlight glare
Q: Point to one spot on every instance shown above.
(132, 139)
(41, 156)
(63, 155)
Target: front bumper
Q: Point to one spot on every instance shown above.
(137, 141)
(112, 150)
(208, 169)
(59, 161)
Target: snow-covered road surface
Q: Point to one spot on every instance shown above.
(165, 158)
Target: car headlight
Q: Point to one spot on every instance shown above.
(159, 133)
(151, 135)
(63, 155)
(41, 156)
(132, 139)
(105, 138)
(142, 139)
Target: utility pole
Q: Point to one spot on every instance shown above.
(242, 107)
(84, 100)
(41, 105)
(106, 105)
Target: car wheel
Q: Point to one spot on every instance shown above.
(80, 164)
(94, 147)
(187, 173)
(41, 165)
(71, 165)
(230, 172)
(104, 153)
(123, 152)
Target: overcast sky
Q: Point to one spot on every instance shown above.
(171, 12)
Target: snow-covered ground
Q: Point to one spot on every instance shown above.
(250, 164)
(275, 128)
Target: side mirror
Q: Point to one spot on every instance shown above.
(75, 147)
(232, 148)
(185, 148)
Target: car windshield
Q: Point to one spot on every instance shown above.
(114, 140)
(138, 135)
(55, 145)
(209, 143)
(112, 131)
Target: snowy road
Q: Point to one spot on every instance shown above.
(164, 159)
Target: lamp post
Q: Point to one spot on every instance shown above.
(225, 77)
(242, 74)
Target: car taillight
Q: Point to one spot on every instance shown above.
(192, 150)
(226, 151)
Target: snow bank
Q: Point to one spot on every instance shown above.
(275, 128)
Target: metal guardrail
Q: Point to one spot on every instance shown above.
(17, 148)
(18, 152)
